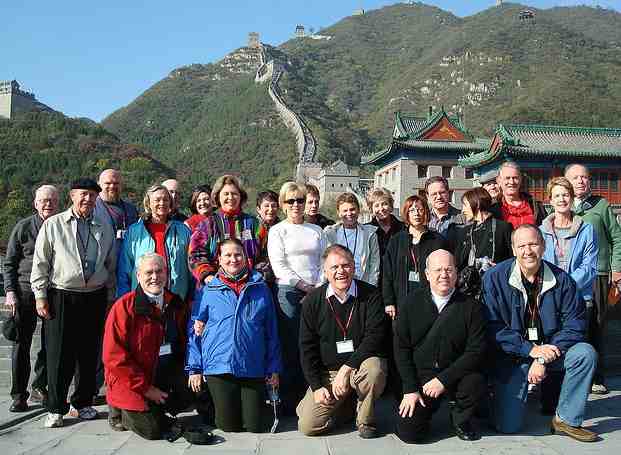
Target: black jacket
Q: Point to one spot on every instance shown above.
(319, 332)
(383, 238)
(537, 207)
(321, 221)
(18, 261)
(446, 345)
(397, 263)
(460, 241)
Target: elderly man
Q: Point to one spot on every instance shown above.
(21, 301)
(311, 210)
(596, 211)
(489, 182)
(144, 353)
(537, 326)
(342, 331)
(440, 350)
(72, 280)
(515, 206)
(111, 208)
(443, 214)
(174, 189)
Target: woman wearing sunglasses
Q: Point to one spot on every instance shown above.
(295, 250)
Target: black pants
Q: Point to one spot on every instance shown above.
(72, 337)
(467, 393)
(151, 424)
(20, 351)
(598, 315)
(238, 402)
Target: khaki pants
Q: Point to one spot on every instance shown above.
(368, 382)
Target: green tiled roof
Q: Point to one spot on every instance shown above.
(408, 126)
(549, 142)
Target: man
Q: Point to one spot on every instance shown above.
(311, 210)
(21, 301)
(537, 326)
(111, 208)
(440, 350)
(489, 182)
(144, 353)
(443, 214)
(515, 206)
(174, 189)
(73, 280)
(597, 211)
(342, 333)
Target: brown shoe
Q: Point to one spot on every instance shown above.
(577, 433)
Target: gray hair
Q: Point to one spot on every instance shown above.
(147, 257)
(147, 198)
(435, 251)
(44, 188)
(569, 166)
(339, 250)
(511, 164)
(531, 227)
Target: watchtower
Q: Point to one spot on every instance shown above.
(300, 31)
(253, 40)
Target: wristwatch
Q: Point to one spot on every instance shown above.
(541, 361)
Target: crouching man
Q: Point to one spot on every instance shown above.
(144, 354)
(440, 349)
(341, 339)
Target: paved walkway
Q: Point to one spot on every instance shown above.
(95, 437)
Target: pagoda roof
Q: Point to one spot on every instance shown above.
(437, 132)
(548, 141)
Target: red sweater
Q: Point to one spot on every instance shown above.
(158, 232)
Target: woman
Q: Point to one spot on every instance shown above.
(235, 346)
(360, 239)
(406, 255)
(200, 206)
(267, 208)
(228, 221)
(569, 241)
(484, 241)
(295, 250)
(155, 232)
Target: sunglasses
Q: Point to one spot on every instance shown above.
(299, 200)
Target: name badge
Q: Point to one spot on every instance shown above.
(245, 235)
(165, 349)
(345, 346)
(120, 234)
(414, 276)
(533, 335)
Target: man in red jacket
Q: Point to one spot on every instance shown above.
(144, 353)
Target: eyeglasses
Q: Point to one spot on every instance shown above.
(299, 200)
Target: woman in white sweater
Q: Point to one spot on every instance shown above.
(294, 248)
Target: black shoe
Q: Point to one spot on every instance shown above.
(38, 396)
(466, 432)
(19, 405)
(367, 431)
(548, 410)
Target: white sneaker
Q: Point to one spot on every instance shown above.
(85, 413)
(53, 420)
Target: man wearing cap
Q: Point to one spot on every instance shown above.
(72, 280)
(490, 184)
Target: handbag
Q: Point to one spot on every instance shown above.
(10, 328)
(469, 278)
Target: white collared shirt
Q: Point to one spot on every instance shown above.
(157, 298)
(351, 292)
(441, 301)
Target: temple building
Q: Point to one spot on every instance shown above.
(422, 147)
(543, 151)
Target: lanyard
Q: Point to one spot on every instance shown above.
(533, 308)
(88, 239)
(343, 328)
(413, 256)
(347, 242)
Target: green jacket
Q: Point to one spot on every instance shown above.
(596, 211)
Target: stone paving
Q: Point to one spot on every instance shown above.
(95, 437)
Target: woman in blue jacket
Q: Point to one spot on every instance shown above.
(570, 243)
(155, 232)
(233, 341)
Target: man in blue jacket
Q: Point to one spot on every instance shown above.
(537, 325)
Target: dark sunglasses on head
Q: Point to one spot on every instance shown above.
(299, 200)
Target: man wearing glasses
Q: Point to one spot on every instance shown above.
(342, 332)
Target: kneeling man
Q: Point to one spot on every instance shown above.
(144, 353)
(342, 331)
(537, 323)
(440, 348)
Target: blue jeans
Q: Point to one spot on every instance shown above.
(511, 388)
(292, 382)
